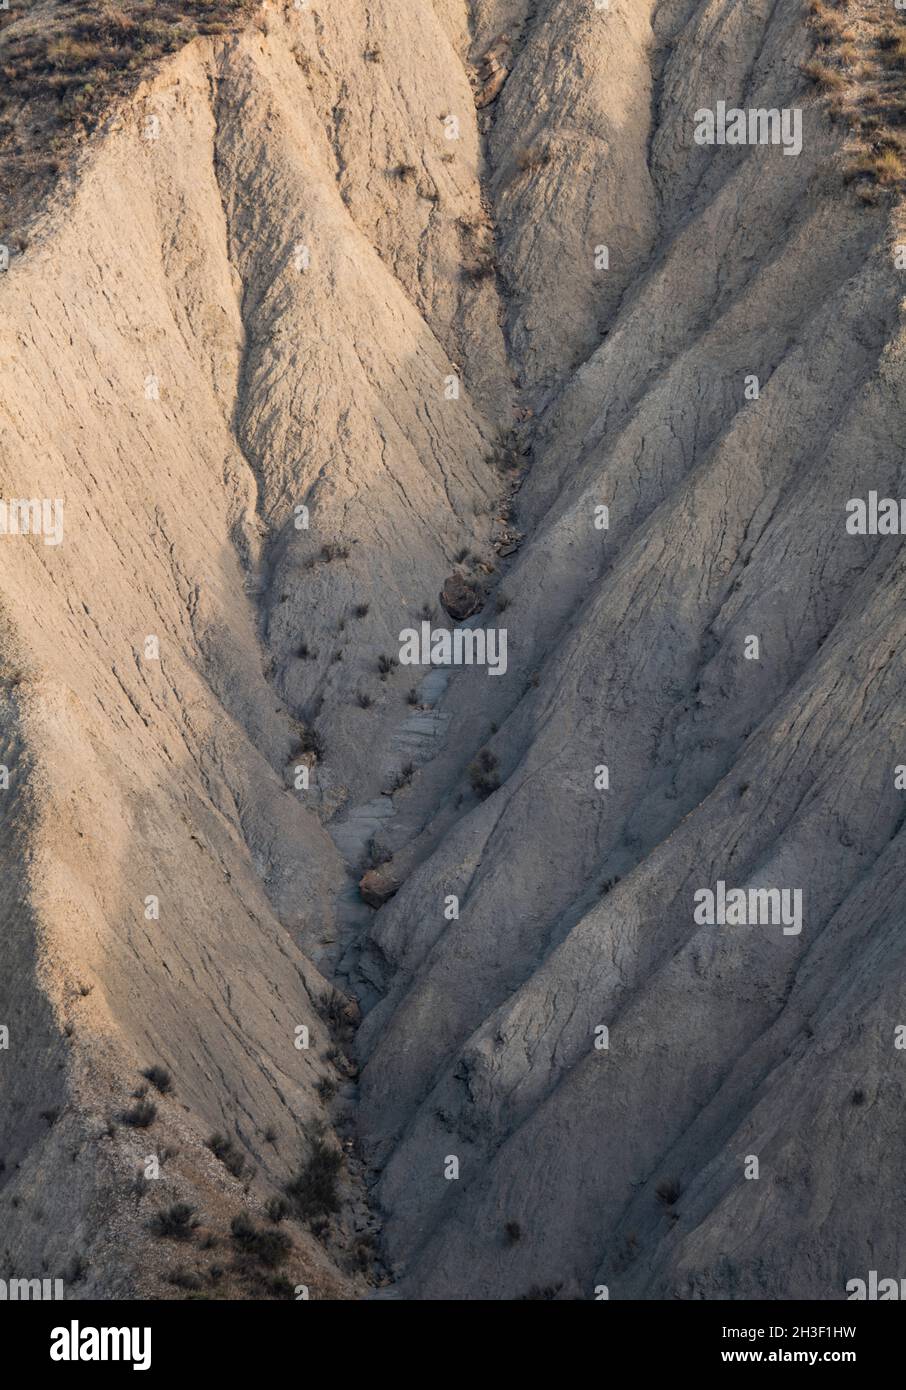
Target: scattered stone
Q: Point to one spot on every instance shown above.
(351, 1013)
(377, 886)
(493, 71)
(460, 598)
(505, 540)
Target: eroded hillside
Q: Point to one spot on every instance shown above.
(329, 308)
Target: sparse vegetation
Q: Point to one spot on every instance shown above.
(270, 1248)
(141, 1115)
(852, 68)
(483, 777)
(482, 268)
(512, 1232)
(889, 167)
(160, 1079)
(386, 664)
(403, 777)
(327, 1088)
(335, 1010)
(175, 1223)
(364, 700)
(277, 1209)
(828, 78)
(361, 610)
(892, 43)
(309, 742)
(341, 1060)
(830, 23)
(881, 166)
(60, 79)
(668, 1191)
(281, 1287)
(314, 1191)
(363, 1253)
(77, 1269)
(228, 1153)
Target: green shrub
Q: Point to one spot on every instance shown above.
(175, 1223)
(143, 1114)
(668, 1191)
(270, 1248)
(314, 1191)
(512, 1232)
(160, 1079)
(277, 1208)
(483, 776)
(227, 1152)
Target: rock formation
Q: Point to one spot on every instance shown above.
(306, 334)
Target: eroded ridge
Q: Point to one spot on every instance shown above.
(452, 747)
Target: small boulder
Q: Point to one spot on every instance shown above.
(493, 71)
(377, 886)
(491, 88)
(352, 1015)
(460, 598)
